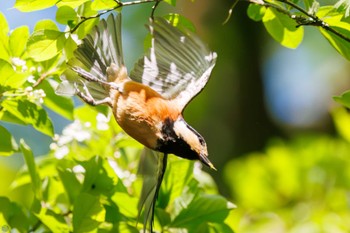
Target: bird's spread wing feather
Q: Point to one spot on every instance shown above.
(99, 49)
(178, 64)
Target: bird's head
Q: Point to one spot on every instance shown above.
(181, 139)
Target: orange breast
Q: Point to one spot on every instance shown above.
(140, 111)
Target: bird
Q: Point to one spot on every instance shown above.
(148, 102)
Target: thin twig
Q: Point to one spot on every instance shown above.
(154, 9)
(279, 9)
(307, 20)
(230, 12)
(36, 226)
(84, 19)
(295, 6)
(315, 20)
(328, 28)
(119, 4)
(43, 77)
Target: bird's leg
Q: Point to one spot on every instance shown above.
(89, 99)
(91, 78)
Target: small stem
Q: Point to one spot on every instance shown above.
(310, 19)
(328, 28)
(119, 4)
(154, 8)
(84, 19)
(317, 21)
(295, 6)
(43, 77)
(36, 226)
(139, 2)
(278, 8)
(230, 12)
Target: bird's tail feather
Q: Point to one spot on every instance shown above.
(153, 166)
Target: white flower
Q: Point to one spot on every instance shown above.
(102, 122)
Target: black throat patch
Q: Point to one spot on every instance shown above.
(173, 143)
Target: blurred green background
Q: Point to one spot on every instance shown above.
(279, 141)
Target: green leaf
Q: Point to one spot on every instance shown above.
(4, 39)
(8, 117)
(8, 144)
(45, 44)
(18, 41)
(340, 44)
(69, 47)
(171, 2)
(98, 5)
(29, 113)
(84, 28)
(66, 15)
(62, 105)
(173, 185)
(4, 27)
(5, 224)
(180, 22)
(162, 216)
(32, 169)
(127, 204)
(33, 5)
(88, 213)
(70, 183)
(341, 119)
(53, 221)
(98, 178)
(343, 99)
(205, 227)
(220, 227)
(86, 113)
(282, 28)
(9, 77)
(45, 24)
(124, 228)
(53, 190)
(256, 12)
(205, 208)
(54, 66)
(325, 12)
(13, 215)
(71, 3)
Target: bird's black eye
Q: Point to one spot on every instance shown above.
(201, 140)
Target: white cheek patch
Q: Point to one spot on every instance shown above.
(181, 130)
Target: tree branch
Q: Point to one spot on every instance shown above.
(307, 20)
(119, 5)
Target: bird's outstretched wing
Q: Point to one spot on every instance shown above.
(99, 49)
(178, 64)
(152, 168)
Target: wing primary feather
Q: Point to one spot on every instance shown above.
(99, 49)
(178, 64)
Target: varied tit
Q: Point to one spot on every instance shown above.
(148, 103)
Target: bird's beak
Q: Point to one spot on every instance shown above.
(204, 159)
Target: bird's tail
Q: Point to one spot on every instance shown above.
(152, 167)
(100, 50)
